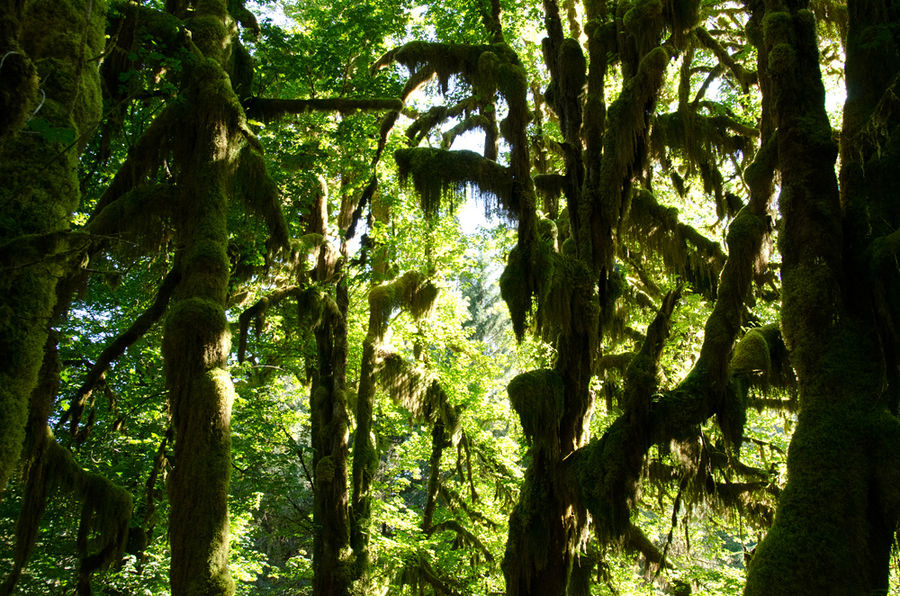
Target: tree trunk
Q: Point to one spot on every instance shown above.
(39, 184)
(196, 341)
(330, 440)
(835, 520)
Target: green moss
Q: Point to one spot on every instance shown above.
(325, 470)
(196, 336)
(437, 174)
(538, 397)
(751, 355)
(40, 190)
(516, 291)
(644, 16)
(782, 59)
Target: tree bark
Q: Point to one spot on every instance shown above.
(196, 339)
(39, 178)
(835, 520)
(330, 441)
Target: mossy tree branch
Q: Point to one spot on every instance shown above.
(117, 347)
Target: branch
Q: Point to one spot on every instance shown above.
(143, 157)
(257, 312)
(118, 346)
(438, 173)
(682, 248)
(744, 77)
(466, 537)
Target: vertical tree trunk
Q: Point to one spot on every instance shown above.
(330, 440)
(196, 342)
(195, 348)
(833, 529)
(39, 183)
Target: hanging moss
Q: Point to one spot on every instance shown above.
(437, 174)
(538, 397)
(411, 291)
(643, 21)
(444, 59)
(471, 123)
(567, 302)
(253, 184)
(702, 141)
(516, 291)
(682, 247)
(414, 388)
(550, 186)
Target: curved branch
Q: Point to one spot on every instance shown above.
(744, 77)
(118, 346)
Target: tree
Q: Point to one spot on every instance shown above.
(222, 171)
(840, 498)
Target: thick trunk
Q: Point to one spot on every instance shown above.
(833, 529)
(195, 348)
(38, 171)
(196, 340)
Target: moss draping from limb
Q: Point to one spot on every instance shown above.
(137, 221)
(105, 508)
(538, 397)
(702, 141)
(253, 184)
(418, 391)
(566, 300)
(52, 248)
(437, 174)
(411, 291)
(444, 59)
(682, 248)
(143, 158)
(516, 291)
(105, 513)
(550, 186)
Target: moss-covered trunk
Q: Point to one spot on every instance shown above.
(39, 183)
(196, 339)
(835, 520)
(330, 441)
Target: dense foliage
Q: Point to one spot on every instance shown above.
(469, 297)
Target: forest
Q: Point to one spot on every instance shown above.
(389, 297)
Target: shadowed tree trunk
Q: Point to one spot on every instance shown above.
(837, 516)
(38, 181)
(196, 341)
